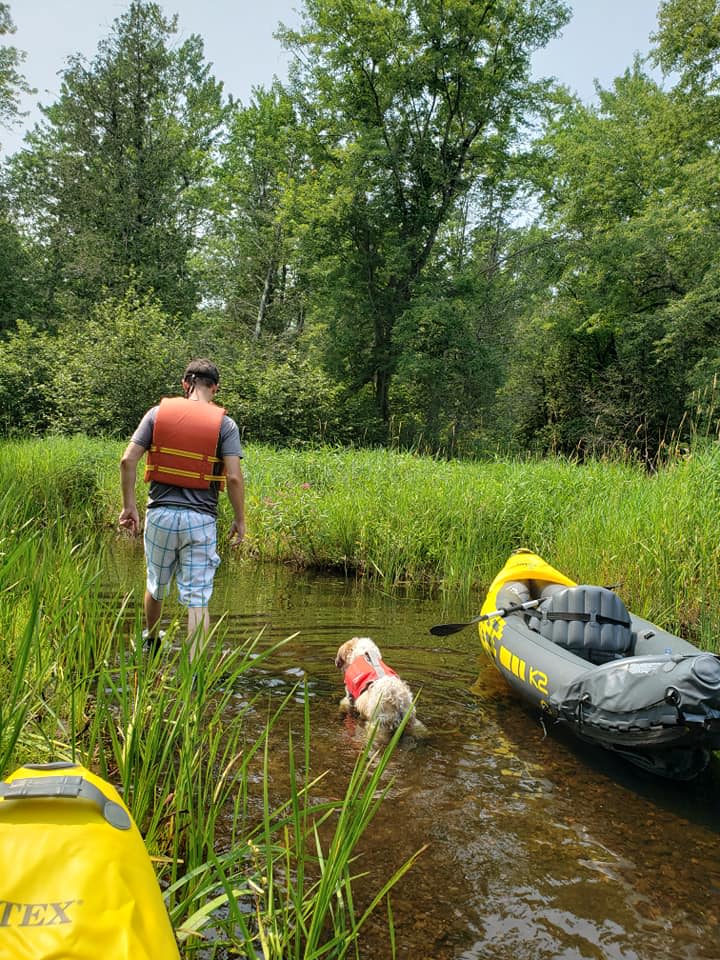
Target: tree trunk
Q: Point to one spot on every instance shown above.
(382, 394)
(264, 299)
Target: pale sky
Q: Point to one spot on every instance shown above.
(598, 44)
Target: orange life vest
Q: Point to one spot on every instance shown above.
(361, 673)
(184, 444)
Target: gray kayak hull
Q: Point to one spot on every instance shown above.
(612, 678)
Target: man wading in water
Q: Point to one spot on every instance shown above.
(189, 441)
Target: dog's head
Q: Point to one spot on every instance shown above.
(355, 648)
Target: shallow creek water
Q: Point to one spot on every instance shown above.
(539, 848)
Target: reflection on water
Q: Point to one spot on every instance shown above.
(539, 848)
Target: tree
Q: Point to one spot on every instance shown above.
(27, 402)
(688, 41)
(688, 44)
(12, 82)
(111, 182)
(630, 230)
(247, 263)
(15, 288)
(453, 339)
(17, 270)
(411, 103)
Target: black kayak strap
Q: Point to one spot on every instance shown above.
(582, 617)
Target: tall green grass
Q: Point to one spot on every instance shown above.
(401, 519)
(451, 525)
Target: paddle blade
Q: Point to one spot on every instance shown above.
(445, 629)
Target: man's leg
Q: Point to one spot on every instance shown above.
(195, 574)
(161, 548)
(198, 629)
(153, 610)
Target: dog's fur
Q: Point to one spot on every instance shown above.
(387, 700)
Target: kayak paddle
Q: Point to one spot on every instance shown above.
(444, 629)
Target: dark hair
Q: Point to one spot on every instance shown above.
(202, 370)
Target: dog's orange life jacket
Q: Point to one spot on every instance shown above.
(184, 444)
(362, 672)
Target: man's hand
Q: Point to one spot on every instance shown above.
(130, 520)
(237, 533)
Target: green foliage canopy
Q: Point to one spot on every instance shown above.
(355, 237)
(110, 184)
(248, 263)
(411, 102)
(626, 329)
(12, 81)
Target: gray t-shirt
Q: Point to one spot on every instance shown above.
(165, 495)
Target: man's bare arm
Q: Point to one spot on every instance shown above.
(236, 492)
(129, 517)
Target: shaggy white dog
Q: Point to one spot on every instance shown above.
(374, 691)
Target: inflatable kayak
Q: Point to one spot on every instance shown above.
(614, 679)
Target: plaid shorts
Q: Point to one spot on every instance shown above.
(184, 543)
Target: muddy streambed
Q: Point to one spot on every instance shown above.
(538, 848)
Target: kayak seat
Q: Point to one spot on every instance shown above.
(591, 622)
(512, 594)
(515, 592)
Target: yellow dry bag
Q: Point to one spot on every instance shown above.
(76, 881)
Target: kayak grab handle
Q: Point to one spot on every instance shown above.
(67, 788)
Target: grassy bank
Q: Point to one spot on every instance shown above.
(401, 519)
(450, 526)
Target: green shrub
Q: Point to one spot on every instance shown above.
(110, 369)
(28, 358)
